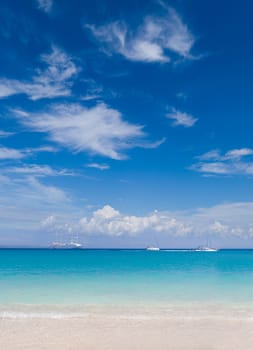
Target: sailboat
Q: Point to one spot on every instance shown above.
(153, 248)
(206, 248)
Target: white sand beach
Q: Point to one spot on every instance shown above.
(112, 331)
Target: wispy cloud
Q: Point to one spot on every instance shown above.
(25, 202)
(98, 166)
(97, 130)
(54, 81)
(42, 149)
(36, 170)
(94, 91)
(10, 153)
(233, 162)
(45, 5)
(181, 118)
(50, 193)
(155, 40)
(7, 153)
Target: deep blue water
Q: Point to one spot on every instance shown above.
(30, 276)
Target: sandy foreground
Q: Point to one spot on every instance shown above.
(105, 331)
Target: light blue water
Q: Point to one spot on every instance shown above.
(105, 277)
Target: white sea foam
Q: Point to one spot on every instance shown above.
(192, 312)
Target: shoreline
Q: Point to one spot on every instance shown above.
(166, 311)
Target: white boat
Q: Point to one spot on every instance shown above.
(153, 249)
(71, 245)
(66, 243)
(205, 249)
(75, 245)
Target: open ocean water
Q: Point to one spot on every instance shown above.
(125, 278)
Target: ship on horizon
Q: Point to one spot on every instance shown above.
(70, 245)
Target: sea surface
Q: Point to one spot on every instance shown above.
(74, 278)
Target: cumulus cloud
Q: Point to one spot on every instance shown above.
(98, 130)
(108, 221)
(54, 81)
(107, 212)
(45, 5)
(155, 40)
(232, 220)
(233, 162)
(181, 118)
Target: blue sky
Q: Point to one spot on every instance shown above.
(125, 121)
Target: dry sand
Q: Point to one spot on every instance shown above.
(121, 332)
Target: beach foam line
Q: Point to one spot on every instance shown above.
(144, 313)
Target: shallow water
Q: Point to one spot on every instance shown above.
(125, 277)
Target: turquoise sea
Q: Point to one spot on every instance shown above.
(125, 277)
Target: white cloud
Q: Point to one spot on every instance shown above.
(218, 168)
(232, 220)
(153, 41)
(90, 97)
(108, 221)
(98, 166)
(54, 214)
(41, 149)
(36, 170)
(10, 153)
(52, 82)
(233, 162)
(94, 90)
(238, 153)
(98, 130)
(211, 155)
(181, 118)
(45, 5)
(107, 212)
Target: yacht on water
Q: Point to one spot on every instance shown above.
(153, 248)
(62, 243)
(71, 245)
(205, 249)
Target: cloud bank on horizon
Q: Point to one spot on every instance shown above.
(222, 220)
(128, 105)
